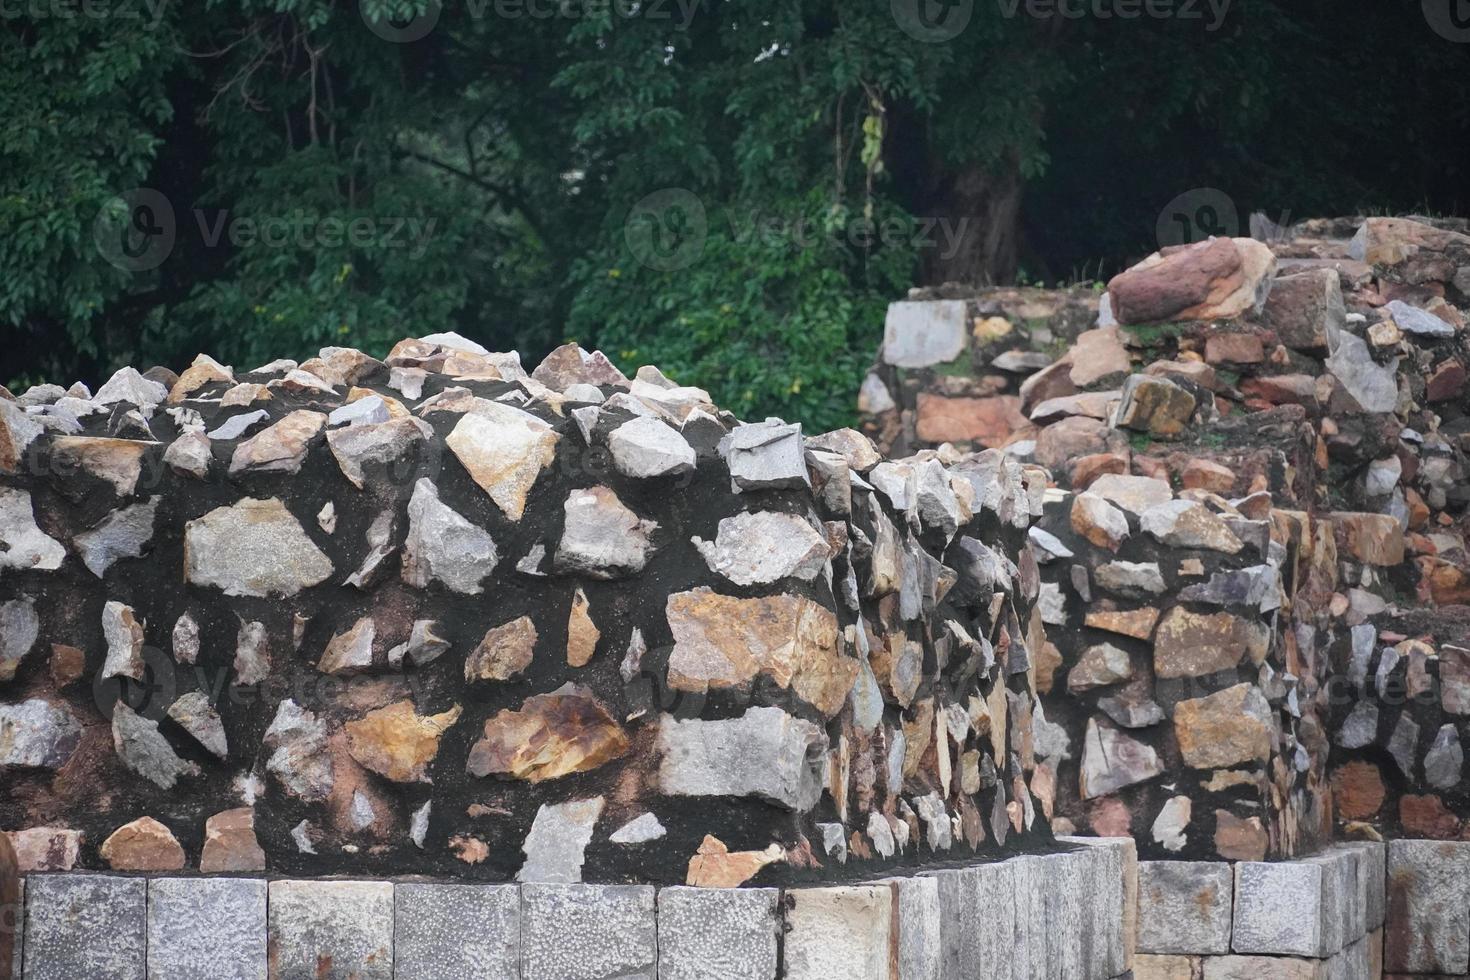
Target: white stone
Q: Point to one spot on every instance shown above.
(648, 447)
(444, 547)
(23, 545)
(922, 333)
(763, 547)
(558, 840)
(252, 548)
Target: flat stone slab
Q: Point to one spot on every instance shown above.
(346, 923)
(588, 932)
(1428, 927)
(915, 927)
(13, 920)
(207, 928)
(838, 932)
(84, 926)
(1112, 896)
(1278, 908)
(1184, 907)
(1261, 968)
(718, 933)
(1068, 926)
(454, 931)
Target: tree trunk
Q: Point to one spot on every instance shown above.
(975, 232)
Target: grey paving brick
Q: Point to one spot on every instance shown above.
(454, 931)
(718, 933)
(917, 928)
(588, 932)
(348, 924)
(85, 926)
(1184, 907)
(1428, 903)
(838, 932)
(207, 928)
(1278, 908)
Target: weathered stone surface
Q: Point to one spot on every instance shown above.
(722, 641)
(506, 651)
(602, 538)
(1218, 278)
(397, 742)
(143, 845)
(1188, 524)
(1376, 539)
(639, 830)
(570, 365)
(984, 421)
(557, 842)
(86, 926)
(717, 934)
(1445, 761)
(766, 456)
(1420, 323)
(1148, 966)
(1184, 907)
(347, 924)
(445, 931)
(1189, 644)
(920, 334)
(19, 628)
(1133, 579)
(207, 928)
(1372, 385)
(1257, 967)
(37, 734)
(647, 447)
(385, 443)
(588, 932)
(1278, 908)
(1305, 308)
(279, 448)
(1154, 405)
(504, 449)
(128, 385)
(763, 547)
(444, 547)
(1112, 760)
(837, 932)
(299, 757)
(45, 848)
(118, 462)
(124, 635)
(1099, 665)
(23, 545)
(230, 843)
(122, 534)
(1428, 927)
(764, 753)
(1226, 728)
(17, 431)
(1099, 521)
(145, 751)
(715, 866)
(351, 651)
(552, 735)
(253, 548)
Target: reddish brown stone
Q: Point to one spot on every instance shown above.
(1239, 839)
(1358, 789)
(143, 845)
(1427, 816)
(1088, 468)
(67, 664)
(552, 735)
(1204, 474)
(987, 421)
(1234, 348)
(1446, 381)
(1109, 817)
(1214, 279)
(230, 843)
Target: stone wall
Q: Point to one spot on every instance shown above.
(1308, 394)
(434, 615)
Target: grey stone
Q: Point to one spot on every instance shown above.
(1403, 744)
(601, 538)
(1134, 494)
(300, 758)
(1383, 475)
(207, 928)
(23, 545)
(504, 449)
(144, 750)
(1420, 323)
(1028, 954)
(1354, 962)
(837, 932)
(456, 931)
(1133, 707)
(1184, 907)
(1372, 858)
(649, 447)
(444, 547)
(1068, 926)
(348, 924)
(958, 943)
(253, 548)
(1278, 908)
(13, 920)
(763, 547)
(1341, 915)
(764, 753)
(1099, 665)
(995, 928)
(765, 456)
(1127, 578)
(588, 932)
(916, 928)
(195, 715)
(19, 628)
(639, 830)
(557, 842)
(1372, 385)
(86, 926)
(1258, 587)
(385, 442)
(252, 653)
(1047, 546)
(1188, 524)
(237, 425)
(1428, 924)
(1112, 760)
(1445, 760)
(1171, 827)
(1052, 604)
(365, 411)
(1360, 727)
(921, 333)
(1259, 968)
(123, 632)
(37, 734)
(127, 385)
(1111, 894)
(718, 933)
(122, 534)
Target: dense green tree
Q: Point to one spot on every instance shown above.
(733, 190)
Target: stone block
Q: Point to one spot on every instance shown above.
(718, 933)
(1372, 881)
(1428, 902)
(1278, 908)
(588, 932)
(451, 931)
(1109, 895)
(349, 923)
(1261, 967)
(1184, 907)
(1341, 914)
(1028, 948)
(1352, 962)
(1150, 966)
(916, 927)
(995, 926)
(86, 926)
(1068, 926)
(958, 891)
(12, 920)
(838, 932)
(207, 928)
(921, 333)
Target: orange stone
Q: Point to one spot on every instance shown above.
(987, 421)
(715, 866)
(1358, 789)
(551, 736)
(1426, 816)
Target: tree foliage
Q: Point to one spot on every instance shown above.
(732, 190)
